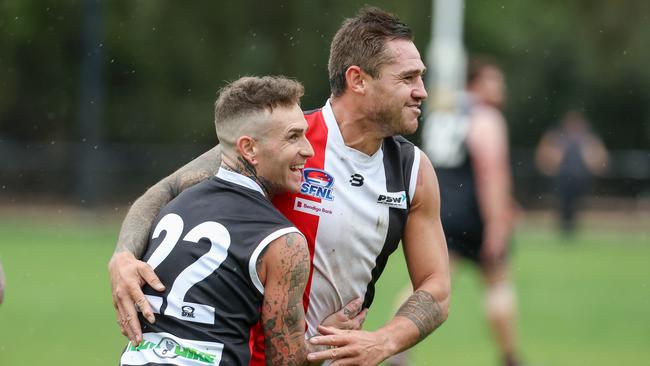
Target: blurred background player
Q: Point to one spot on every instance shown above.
(229, 258)
(572, 154)
(469, 150)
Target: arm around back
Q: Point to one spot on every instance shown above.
(137, 223)
(127, 274)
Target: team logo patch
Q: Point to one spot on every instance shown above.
(317, 183)
(393, 199)
(187, 311)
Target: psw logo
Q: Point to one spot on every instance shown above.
(317, 183)
(393, 199)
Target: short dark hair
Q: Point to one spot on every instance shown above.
(240, 101)
(362, 41)
(251, 94)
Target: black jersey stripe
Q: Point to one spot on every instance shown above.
(398, 161)
(407, 158)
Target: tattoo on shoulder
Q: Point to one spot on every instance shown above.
(295, 262)
(424, 311)
(292, 239)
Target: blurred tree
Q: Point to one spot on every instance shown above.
(587, 54)
(165, 61)
(39, 59)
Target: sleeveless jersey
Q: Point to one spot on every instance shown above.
(352, 210)
(204, 248)
(444, 139)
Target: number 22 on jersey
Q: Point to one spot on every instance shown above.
(219, 238)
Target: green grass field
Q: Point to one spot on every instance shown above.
(584, 302)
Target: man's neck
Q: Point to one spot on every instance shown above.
(241, 166)
(357, 130)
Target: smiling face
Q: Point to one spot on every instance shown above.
(395, 97)
(282, 150)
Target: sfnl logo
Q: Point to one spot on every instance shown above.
(317, 183)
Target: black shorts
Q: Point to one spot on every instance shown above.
(466, 246)
(469, 246)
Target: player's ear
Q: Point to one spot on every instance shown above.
(356, 79)
(247, 148)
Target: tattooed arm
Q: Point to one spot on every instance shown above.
(128, 274)
(426, 255)
(283, 268)
(425, 249)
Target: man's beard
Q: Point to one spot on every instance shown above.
(387, 120)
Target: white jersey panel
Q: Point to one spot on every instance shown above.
(352, 227)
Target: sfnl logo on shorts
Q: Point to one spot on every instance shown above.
(317, 183)
(393, 199)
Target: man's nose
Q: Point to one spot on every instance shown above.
(420, 92)
(307, 150)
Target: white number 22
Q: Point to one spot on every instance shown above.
(218, 235)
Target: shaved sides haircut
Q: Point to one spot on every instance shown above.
(244, 104)
(361, 41)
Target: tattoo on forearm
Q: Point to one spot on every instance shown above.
(284, 329)
(424, 311)
(134, 233)
(136, 227)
